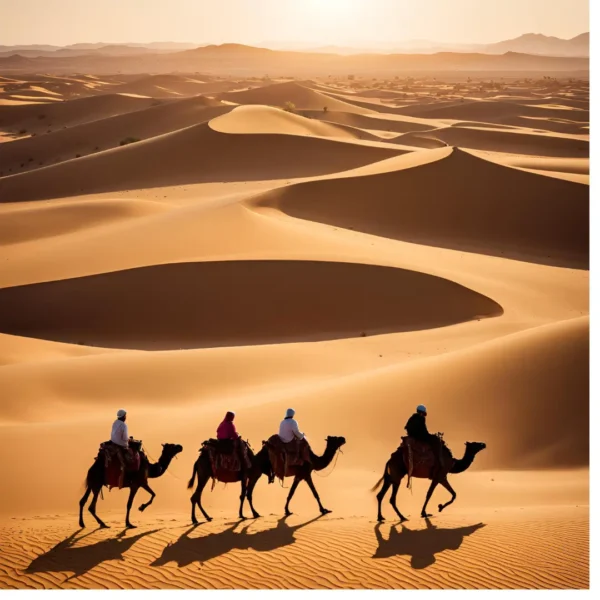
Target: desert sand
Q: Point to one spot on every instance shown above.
(182, 245)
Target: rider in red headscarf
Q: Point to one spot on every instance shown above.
(227, 430)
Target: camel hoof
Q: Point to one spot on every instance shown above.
(380, 519)
(440, 508)
(195, 522)
(209, 519)
(426, 515)
(325, 511)
(130, 526)
(256, 515)
(82, 524)
(403, 519)
(142, 508)
(104, 526)
(288, 513)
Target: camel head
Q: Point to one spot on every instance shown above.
(171, 450)
(335, 442)
(474, 448)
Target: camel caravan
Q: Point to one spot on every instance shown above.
(122, 463)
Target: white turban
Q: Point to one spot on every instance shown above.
(121, 413)
(290, 412)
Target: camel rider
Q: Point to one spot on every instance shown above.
(227, 431)
(290, 432)
(120, 438)
(416, 427)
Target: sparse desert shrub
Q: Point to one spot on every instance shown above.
(325, 109)
(128, 140)
(289, 107)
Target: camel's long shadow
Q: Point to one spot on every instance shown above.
(79, 560)
(421, 544)
(187, 550)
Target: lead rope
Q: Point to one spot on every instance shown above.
(337, 455)
(155, 461)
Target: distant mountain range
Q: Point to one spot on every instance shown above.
(528, 43)
(246, 61)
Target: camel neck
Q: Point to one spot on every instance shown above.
(159, 467)
(322, 462)
(462, 464)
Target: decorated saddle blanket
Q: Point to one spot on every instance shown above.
(420, 458)
(118, 462)
(283, 455)
(226, 456)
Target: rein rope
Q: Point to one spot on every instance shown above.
(156, 462)
(337, 455)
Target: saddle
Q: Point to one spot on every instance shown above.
(283, 455)
(226, 455)
(118, 461)
(420, 459)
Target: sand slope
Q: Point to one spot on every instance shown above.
(207, 304)
(500, 208)
(191, 155)
(302, 97)
(110, 132)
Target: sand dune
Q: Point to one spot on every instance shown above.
(191, 155)
(37, 119)
(349, 262)
(499, 208)
(172, 86)
(27, 222)
(514, 142)
(88, 138)
(302, 97)
(207, 304)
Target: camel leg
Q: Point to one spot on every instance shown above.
(197, 498)
(92, 508)
(428, 497)
(243, 496)
(132, 493)
(251, 483)
(447, 485)
(145, 486)
(395, 488)
(313, 489)
(82, 502)
(387, 482)
(292, 491)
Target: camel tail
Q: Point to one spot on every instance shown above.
(190, 484)
(378, 484)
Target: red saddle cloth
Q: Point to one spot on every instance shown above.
(418, 458)
(284, 455)
(226, 458)
(117, 463)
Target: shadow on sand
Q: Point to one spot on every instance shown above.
(79, 560)
(187, 550)
(421, 544)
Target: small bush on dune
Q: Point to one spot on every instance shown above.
(128, 140)
(289, 107)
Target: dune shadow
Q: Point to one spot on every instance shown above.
(421, 544)
(65, 556)
(187, 550)
(206, 304)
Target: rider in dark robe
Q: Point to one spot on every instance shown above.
(416, 427)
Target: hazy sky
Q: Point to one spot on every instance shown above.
(254, 21)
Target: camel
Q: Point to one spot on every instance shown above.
(260, 465)
(395, 470)
(134, 481)
(203, 469)
(300, 473)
